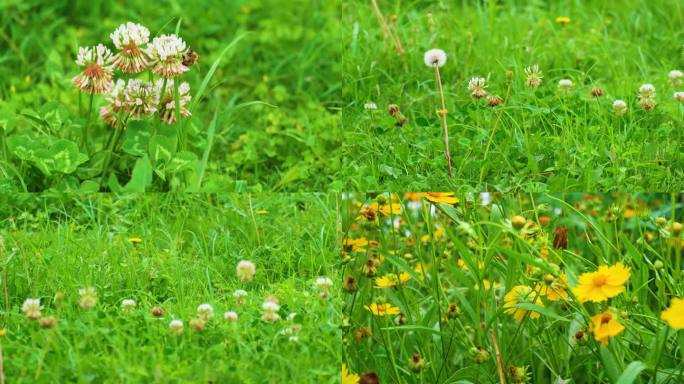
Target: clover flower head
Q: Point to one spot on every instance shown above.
(679, 96)
(477, 85)
(141, 98)
(230, 316)
(370, 105)
(115, 97)
(167, 105)
(176, 327)
(676, 77)
(534, 76)
(128, 305)
(647, 90)
(88, 297)
(205, 311)
(565, 85)
(435, 58)
(167, 53)
(128, 39)
(619, 107)
(271, 308)
(31, 308)
(97, 75)
(323, 283)
(245, 270)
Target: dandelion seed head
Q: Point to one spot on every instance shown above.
(435, 58)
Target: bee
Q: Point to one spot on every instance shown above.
(190, 57)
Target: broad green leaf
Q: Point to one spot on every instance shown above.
(136, 138)
(161, 148)
(141, 177)
(609, 363)
(631, 372)
(183, 160)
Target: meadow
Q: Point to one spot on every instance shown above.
(249, 277)
(508, 132)
(496, 288)
(261, 112)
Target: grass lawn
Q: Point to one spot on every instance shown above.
(174, 252)
(537, 139)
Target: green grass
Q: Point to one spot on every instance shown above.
(543, 142)
(275, 93)
(472, 256)
(190, 247)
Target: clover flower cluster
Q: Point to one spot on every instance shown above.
(167, 56)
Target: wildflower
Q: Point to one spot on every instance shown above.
(176, 327)
(647, 90)
(141, 98)
(477, 85)
(562, 20)
(230, 316)
(521, 294)
(565, 85)
(350, 284)
(47, 322)
(435, 58)
(395, 112)
(157, 311)
(128, 305)
(240, 296)
(619, 107)
(647, 95)
(679, 96)
(205, 311)
(479, 354)
(245, 270)
(674, 315)
(597, 92)
(97, 76)
(382, 309)
(271, 308)
(606, 282)
(323, 284)
(3, 332)
(605, 325)
(493, 101)
(441, 197)
(88, 297)
(452, 311)
(31, 308)
(391, 280)
(128, 38)
(518, 221)
(370, 106)
(534, 76)
(554, 287)
(676, 77)
(416, 363)
(198, 324)
(167, 53)
(115, 97)
(167, 106)
(135, 240)
(347, 377)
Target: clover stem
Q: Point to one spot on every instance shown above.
(84, 137)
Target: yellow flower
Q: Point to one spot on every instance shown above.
(383, 309)
(355, 245)
(348, 378)
(135, 239)
(606, 282)
(442, 197)
(605, 325)
(674, 315)
(521, 294)
(554, 287)
(562, 20)
(391, 280)
(3, 332)
(462, 264)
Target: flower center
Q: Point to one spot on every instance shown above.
(93, 70)
(605, 318)
(600, 280)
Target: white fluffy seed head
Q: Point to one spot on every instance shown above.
(166, 46)
(435, 58)
(100, 55)
(130, 33)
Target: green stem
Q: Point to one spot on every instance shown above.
(84, 137)
(110, 151)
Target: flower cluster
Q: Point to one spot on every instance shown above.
(167, 56)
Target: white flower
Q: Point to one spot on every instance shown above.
(167, 53)
(167, 109)
(130, 34)
(128, 305)
(370, 105)
(141, 98)
(100, 55)
(619, 107)
(31, 308)
(323, 283)
(647, 90)
(534, 76)
(88, 297)
(205, 311)
(477, 85)
(271, 309)
(240, 296)
(176, 327)
(679, 96)
(565, 85)
(435, 58)
(293, 339)
(245, 270)
(676, 77)
(97, 75)
(230, 316)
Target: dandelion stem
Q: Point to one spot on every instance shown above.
(499, 361)
(443, 113)
(84, 138)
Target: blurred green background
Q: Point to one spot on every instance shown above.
(288, 62)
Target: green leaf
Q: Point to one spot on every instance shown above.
(136, 138)
(61, 155)
(542, 310)
(161, 148)
(631, 373)
(183, 160)
(7, 121)
(141, 177)
(205, 157)
(89, 186)
(609, 363)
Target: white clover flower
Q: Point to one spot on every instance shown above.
(141, 98)
(115, 97)
(271, 309)
(647, 95)
(565, 85)
(370, 105)
(167, 53)
(176, 327)
(534, 76)
(619, 107)
(245, 270)
(97, 76)
(676, 77)
(230, 316)
(205, 311)
(679, 96)
(128, 39)
(167, 108)
(647, 90)
(31, 308)
(128, 305)
(88, 297)
(435, 58)
(240, 296)
(323, 283)
(477, 85)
